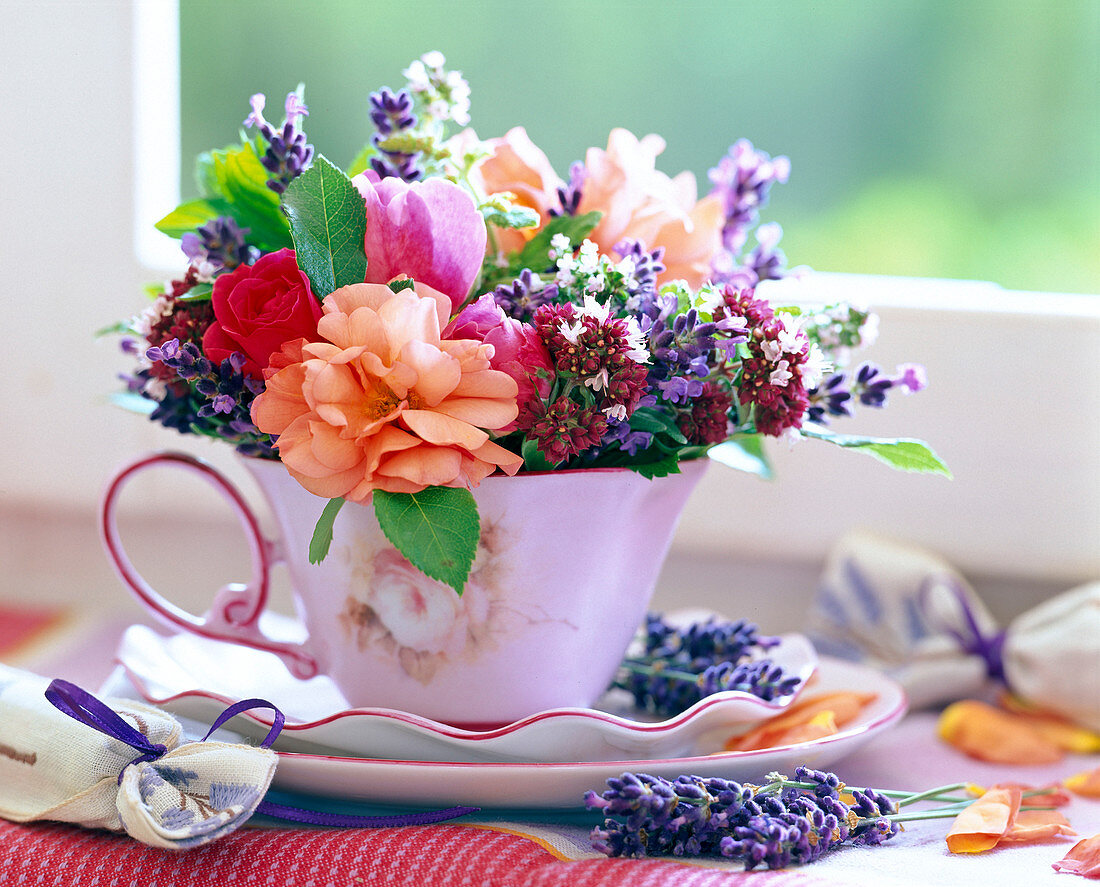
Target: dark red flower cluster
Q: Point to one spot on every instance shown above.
(185, 322)
(563, 428)
(771, 378)
(707, 419)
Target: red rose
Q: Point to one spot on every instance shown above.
(259, 307)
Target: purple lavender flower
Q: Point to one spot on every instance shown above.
(774, 825)
(678, 667)
(570, 193)
(524, 295)
(392, 114)
(648, 265)
(744, 177)
(831, 397)
(288, 153)
(219, 244)
(870, 385)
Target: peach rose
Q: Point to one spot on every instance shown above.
(384, 403)
(641, 203)
(623, 183)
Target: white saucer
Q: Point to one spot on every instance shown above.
(197, 678)
(561, 786)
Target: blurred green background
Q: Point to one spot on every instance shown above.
(933, 139)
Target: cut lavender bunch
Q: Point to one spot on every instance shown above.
(680, 666)
(780, 823)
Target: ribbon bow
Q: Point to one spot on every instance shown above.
(86, 708)
(969, 636)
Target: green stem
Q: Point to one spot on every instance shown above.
(931, 794)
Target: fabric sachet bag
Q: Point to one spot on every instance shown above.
(1052, 655)
(53, 766)
(908, 613)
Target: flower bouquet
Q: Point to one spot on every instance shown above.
(448, 308)
(514, 377)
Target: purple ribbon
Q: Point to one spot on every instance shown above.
(970, 638)
(84, 707)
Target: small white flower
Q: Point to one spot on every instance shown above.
(439, 109)
(815, 366)
(791, 338)
(597, 382)
(772, 350)
(781, 375)
(595, 310)
(433, 58)
(707, 300)
(618, 411)
(627, 266)
(560, 244)
(635, 338)
(143, 323)
(571, 332)
(417, 75)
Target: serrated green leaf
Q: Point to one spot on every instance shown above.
(328, 222)
(322, 532)
(743, 453)
(437, 530)
(190, 215)
(670, 464)
(904, 454)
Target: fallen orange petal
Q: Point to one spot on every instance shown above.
(1052, 795)
(989, 734)
(1087, 783)
(981, 825)
(843, 706)
(1082, 859)
(1036, 825)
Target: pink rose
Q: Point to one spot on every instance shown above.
(518, 350)
(258, 308)
(430, 231)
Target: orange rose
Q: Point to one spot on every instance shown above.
(384, 403)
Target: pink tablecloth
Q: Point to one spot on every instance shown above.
(499, 853)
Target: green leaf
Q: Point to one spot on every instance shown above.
(133, 402)
(327, 221)
(361, 163)
(437, 530)
(576, 228)
(188, 216)
(534, 459)
(236, 177)
(670, 464)
(901, 453)
(322, 533)
(744, 453)
(512, 216)
(200, 292)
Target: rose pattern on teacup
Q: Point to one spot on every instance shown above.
(399, 613)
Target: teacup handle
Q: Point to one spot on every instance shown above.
(235, 612)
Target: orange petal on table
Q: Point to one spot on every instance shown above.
(1037, 825)
(1082, 859)
(1052, 795)
(784, 728)
(1087, 783)
(981, 825)
(989, 734)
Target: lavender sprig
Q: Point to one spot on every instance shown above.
(288, 155)
(775, 825)
(680, 666)
(392, 114)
